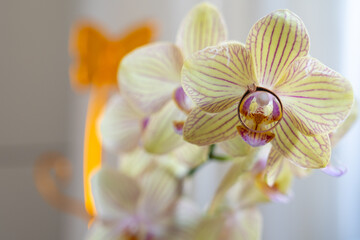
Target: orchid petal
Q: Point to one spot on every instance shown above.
(276, 196)
(274, 166)
(120, 125)
(336, 136)
(160, 190)
(136, 162)
(159, 136)
(243, 224)
(114, 193)
(182, 101)
(191, 155)
(202, 128)
(231, 177)
(275, 41)
(334, 171)
(217, 77)
(255, 139)
(317, 98)
(305, 151)
(235, 147)
(149, 75)
(202, 27)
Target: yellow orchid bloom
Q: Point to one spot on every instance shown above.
(150, 76)
(140, 140)
(269, 89)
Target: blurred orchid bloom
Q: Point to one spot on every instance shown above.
(140, 139)
(241, 224)
(244, 184)
(150, 76)
(267, 90)
(134, 208)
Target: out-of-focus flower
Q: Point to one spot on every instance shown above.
(240, 224)
(150, 76)
(244, 185)
(139, 139)
(134, 208)
(267, 90)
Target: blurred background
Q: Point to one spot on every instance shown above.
(40, 112)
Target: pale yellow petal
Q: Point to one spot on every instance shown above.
(191, 155)
(274, 166)
(275, 41)
(236, 147)
(160, 136)
(136, 162)
(239, 167)
(149, 75)
(115, 193)
(120, 125)
(203, 128)
(316, 97)
(202, 27)
(217, 77)
(305, 151)
(344, 127)
(160, 191)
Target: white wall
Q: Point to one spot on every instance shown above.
(33, 110)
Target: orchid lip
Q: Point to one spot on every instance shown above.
(260, 110)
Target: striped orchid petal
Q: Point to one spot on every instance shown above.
(345, 126)
(202, 128)
(274, 166)
(159, 136)
(160, 191)
(317, 98)
(275, 41)
(149, 75)
(115, 193)
(305, 151)
(236, 147)
(202, 27)
(191, 155)
(136, 162)
(217, 77)
(121, 125)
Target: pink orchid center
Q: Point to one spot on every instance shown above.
(260, 110)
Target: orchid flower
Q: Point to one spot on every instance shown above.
(150, 76)
(268, 90)
(134, 208)
(245, 185)
(229, 224)
(141, 139)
